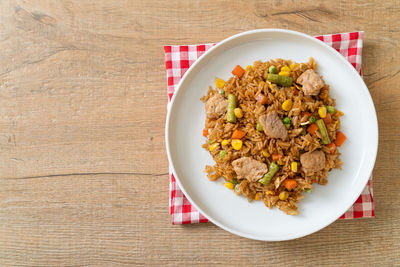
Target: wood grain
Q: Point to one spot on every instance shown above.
(83, 170)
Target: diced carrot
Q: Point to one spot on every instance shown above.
(289, 184)
(205, 132)
(237, 134)
(238, 71)
(262, 99)
(313, 181)
(276, 157)
(340, 138)
(331, 147)
(312, 128)
(327, 119)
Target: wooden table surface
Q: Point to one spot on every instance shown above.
(83, 168)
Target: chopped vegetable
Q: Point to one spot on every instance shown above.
(219, 83)
(303, 132)
(322, 112)
(308, 190)
(340, 138)
(234, 181)
(272, 69)
(289, 184)
(211, 141)
(285, 68)
(257, 196)
(213, 146)
(248, 67)
(328, 119)
(276, 157)
(237, 134)
(265, 153)
(221, 91)
(292, 66)
(322, 129)
(331, 147)
(205, 132)
(238, 113)
(259, 127)
(262, 99)
(339, 113)
(225, 142)
(280, 80)
(230, 115)
(287, 105)
(283, 195)
(273, 168)
(293, 166)
(311, 119)
(237, 144)
(287, 126)
(312, 128)
(284, 73)
(222, 154)
(330, 109)
(286, 120)
(269, 193)
(229, 185)
(238, 71)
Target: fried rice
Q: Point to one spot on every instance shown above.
(257, 145)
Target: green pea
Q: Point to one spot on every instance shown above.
(234, 181)
(272, 69)
(259, 127)
(222, 154)
(308, 190)
(286, 120)
(330, 109)
(312, 119)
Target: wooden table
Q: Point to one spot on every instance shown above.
(83, 168)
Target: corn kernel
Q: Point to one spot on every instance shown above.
(292, 66)
(293, 166)
(265, 153)
(285, 69)
(219, 83)
(248, 67)
(225, 142)
(229, 185)
(257, 196)
(237, 144)
(322, 112)
(283, 195)
(270, 193)
(213, 146)
(287, 105)
(238, 113)
(284, 73)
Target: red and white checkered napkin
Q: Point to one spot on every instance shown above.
(178, 59)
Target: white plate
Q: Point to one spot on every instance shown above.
(185, 122)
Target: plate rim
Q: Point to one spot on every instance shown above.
(374, 121)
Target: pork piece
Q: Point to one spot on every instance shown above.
(216, 106)
(249, 168)
(311, 81)
(273, 126)
(312, 161)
